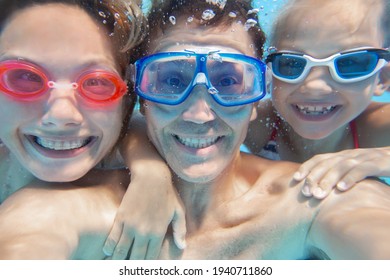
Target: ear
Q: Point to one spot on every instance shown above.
(254, 111)
(384, 81)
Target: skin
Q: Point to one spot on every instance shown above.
(233, 209)
(61, 115)
(300, 137)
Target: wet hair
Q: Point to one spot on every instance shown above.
(124, 26)
(358, 10)
(226, 13)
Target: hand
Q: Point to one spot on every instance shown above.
(142, 220)
(341, 170)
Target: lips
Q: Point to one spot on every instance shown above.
(197, 143)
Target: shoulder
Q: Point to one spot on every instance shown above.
(63, 213)
(354, 224)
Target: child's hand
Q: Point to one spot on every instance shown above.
(341, 170)
(142, 220)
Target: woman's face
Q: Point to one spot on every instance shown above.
(60, 136)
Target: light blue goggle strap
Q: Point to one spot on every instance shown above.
(200, 78)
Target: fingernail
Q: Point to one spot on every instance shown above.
(297, 176)
(342, 186)
(318, 192)
(106, 252)
(306, 190)
(182, 244)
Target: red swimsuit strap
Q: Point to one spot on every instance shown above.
(355, 136)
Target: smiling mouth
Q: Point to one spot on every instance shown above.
(315, 110)
(197, 143)
(62, 145)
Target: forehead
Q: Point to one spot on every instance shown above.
(329, 29)
(184, 35)
(55, 32)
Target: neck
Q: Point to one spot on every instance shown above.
(294, 147)
(201, 198)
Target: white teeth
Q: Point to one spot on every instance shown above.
(61, 145)
(197, 143)
(315, 110)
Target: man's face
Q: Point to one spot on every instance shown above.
(199, 138)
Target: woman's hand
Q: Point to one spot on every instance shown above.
(341, 170)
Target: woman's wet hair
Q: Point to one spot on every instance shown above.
(225, 13)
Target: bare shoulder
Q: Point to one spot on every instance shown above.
(62, 214)
(354, 224)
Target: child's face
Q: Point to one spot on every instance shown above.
(319, 105)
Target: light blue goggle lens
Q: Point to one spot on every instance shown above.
(231, 79)
(350, 65)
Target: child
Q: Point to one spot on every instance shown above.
(320, 111)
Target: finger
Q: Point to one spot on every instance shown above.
(154, 248)
(139, 248)
(123, 247)
(179, 228)
(357, 174)
(112, 239)
(305, 168)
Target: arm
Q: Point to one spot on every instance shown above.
(354, 225)
(150, 203)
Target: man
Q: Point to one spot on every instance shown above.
(199, 86)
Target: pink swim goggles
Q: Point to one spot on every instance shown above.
(25, 81)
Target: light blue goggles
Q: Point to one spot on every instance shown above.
(345, 67)
(231, 79)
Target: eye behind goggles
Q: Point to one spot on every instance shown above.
(231, 79)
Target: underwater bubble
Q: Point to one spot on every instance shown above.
(104, 21)
(102, 14)
(117, 16)
(190, 19)
(253, 11)
(172, 19)
(219, 3)
(232, 14)
(249, 23)
(208, 14)
(215, 56)
(271, 49)
(212, 90)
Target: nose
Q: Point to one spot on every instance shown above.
(198, 109)
(318, 81)
(62, 110)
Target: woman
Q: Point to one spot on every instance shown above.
(64, 105)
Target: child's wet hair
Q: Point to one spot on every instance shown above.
(352, 12)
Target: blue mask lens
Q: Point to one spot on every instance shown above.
(231, 79)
